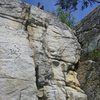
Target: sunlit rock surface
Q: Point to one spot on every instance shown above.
(37, 55)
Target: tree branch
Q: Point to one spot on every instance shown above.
(98, 1)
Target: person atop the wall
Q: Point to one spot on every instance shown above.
(40, 6)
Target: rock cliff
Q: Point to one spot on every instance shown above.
(88, 33)
(38, 55)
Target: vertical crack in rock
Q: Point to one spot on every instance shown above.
(27, 22)
(26, 15)
(37, 75)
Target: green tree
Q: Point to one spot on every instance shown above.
(66, 7)
(94, 55)
(72, 4)
(65, 17)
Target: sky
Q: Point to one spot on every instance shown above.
(49, 5)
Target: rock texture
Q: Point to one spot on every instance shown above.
(37, 55)
(88, 33)
(17, 68)
(89, 77)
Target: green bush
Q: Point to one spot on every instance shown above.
(66, 17)
(95, 54)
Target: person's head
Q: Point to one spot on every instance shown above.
(38, 4)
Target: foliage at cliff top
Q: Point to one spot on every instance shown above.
(66, 17)
(72, 4)
(95, 54)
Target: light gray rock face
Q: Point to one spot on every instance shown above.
(17, 68)
(11, 7)
(37, 52)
